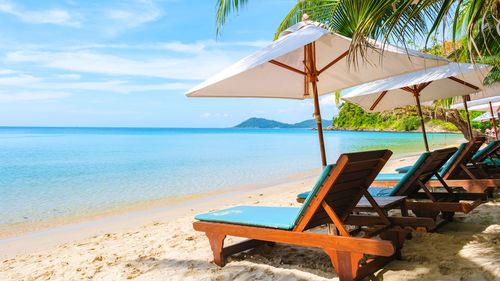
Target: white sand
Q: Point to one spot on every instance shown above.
(163, 246)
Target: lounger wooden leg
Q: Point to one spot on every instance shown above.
(426, 213)
(217, 243)
(397, 238)
(346, 264)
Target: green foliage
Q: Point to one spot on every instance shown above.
(354, 117)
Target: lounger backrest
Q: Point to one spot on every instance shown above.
(341, 187)
(449, 164)
(427, 166)
(462, 158)
(491, 149)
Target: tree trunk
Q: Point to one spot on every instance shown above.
(453, 116)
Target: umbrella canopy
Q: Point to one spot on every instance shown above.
(454, 79)
(441, 82)
(259, 75)
(480, 104)
(489, 91)
(490, 103)
(307, 61)
(483, 117)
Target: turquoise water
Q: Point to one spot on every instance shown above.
(53, 172)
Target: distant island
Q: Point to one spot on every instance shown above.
(271, 124)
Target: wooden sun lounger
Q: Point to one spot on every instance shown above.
(332, 200)
(490, 152)
(427, 166)
(462, 171)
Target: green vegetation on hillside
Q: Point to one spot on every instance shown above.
(266, 123)
(352, 116)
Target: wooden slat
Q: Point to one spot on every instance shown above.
(335, 219)
(463, 207)
(369, 220)
(324, 241)
(315, 203)
(242, 246)
(362, 165)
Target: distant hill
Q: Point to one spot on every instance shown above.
(266, 123)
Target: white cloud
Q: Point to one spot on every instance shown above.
(197, 47)
(215, 115)
(117, 86)
(328, 100)
(7, 71)
(130, 14)
(53, 16)
(20, 80)
(192, 67)
(24, 96)
(69, 76)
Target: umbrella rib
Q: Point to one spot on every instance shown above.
(422, 86)
(287, 67)
(334, 62)
(408, 89)
(378, 100)
(463, 82)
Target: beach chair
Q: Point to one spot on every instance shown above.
(332, 200)
(409, 184)
(489, 155)
(459, 171)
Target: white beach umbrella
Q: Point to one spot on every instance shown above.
(490, 103)
(483, 117)
(446, 81)
(489, 91)
(307, 61)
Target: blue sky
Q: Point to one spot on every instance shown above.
(129, 62)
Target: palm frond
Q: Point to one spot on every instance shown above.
(224, 9)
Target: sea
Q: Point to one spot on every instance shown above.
(48, 173)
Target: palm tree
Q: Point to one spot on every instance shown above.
(397, 21)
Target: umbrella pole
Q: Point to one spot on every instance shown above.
(313, 75)
(317, 116)
(494, 123)
(468, 116)
(419, 111)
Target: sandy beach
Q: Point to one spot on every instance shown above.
(160, 244)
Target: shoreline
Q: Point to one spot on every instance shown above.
(58, 231)
(52, 232)
(387, 131)
(14, 231)
(8, 232)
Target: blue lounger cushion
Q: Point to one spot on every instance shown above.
(270, 217)
(403, 169)
(495, 162)
(389, 177)
(374, 191)
(480, 153)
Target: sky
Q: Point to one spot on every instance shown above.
(128, 63)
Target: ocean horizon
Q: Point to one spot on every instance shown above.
(53, 172)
